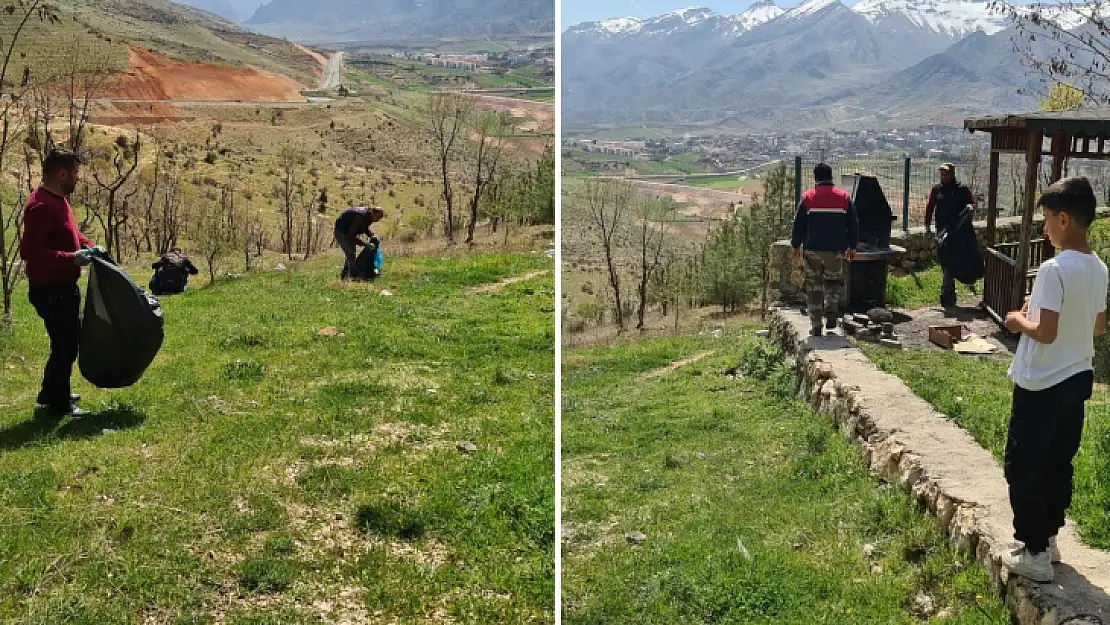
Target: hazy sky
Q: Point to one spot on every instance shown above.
(577, 11)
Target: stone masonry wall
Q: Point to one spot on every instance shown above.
(920, 247)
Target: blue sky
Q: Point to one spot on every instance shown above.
(578, 11)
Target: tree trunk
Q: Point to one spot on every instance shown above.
(473, 219)
(7, 319)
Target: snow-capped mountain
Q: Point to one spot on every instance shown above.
(821, 55)
(954, 19)
(759, 13)
(682, 20)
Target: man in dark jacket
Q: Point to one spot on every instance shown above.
(171, 273)
(349, 225)
(947, 200)
(827, 228)
(54, 252)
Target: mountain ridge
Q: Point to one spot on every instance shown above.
(365, 20)
(923, 57)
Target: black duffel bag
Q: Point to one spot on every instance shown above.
(122, 328)
(958, 249)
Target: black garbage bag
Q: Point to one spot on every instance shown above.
(958, 249)
(122, 328)
(368, 264)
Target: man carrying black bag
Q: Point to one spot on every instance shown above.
(947, 201)
(54, 251)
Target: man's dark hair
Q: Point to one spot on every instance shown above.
(58, 160)
(822, 173)
(1073, 196)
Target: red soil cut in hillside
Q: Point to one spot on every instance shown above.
(152, 76)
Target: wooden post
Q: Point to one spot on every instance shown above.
(1058, 156)
(1048, 250)
(992, 198)
(1032, 167)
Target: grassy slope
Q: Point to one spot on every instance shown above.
(258, 469)
(701, 463)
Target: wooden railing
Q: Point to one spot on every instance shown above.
(999, 273)
(1036, 251)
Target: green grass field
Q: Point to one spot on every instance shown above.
(717, 183)
(260, 473)
(920, 288)
(695, 497)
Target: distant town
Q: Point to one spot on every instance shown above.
(495, 63)
(735, 151)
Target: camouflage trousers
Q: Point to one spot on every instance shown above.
(824, 282)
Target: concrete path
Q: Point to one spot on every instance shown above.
(907, 442)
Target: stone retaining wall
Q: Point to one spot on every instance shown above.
(909, 444)
(920, 247)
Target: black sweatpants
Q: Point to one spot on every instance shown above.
(60, 309)
(1044, 433)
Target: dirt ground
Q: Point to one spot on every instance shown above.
(543, 112)
(151, 76)
(912, 326)
(701, 202)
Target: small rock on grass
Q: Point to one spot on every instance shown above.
(466, 447)
(635, 538)
(923, 604)
(386, 293)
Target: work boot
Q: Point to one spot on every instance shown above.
(73, 398)
(67, 411)
(1034, 566)
(817, 330)
(1054, 551)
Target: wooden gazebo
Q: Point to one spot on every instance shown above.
(1011, 266)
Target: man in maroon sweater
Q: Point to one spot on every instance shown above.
(54, 252)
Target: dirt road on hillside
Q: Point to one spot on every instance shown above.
(333, 73)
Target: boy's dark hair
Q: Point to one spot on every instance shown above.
(822, 173)
(1073, 196)
(58, 160)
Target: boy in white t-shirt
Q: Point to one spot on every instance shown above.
(1053, 376)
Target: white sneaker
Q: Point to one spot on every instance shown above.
(1053, 551)
(1035, 567)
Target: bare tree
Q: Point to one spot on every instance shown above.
(216, 234)
(1066, 43)
(11, 126)
(607, 204)
(448, 114)
(489, 144)
(290, 160)
(655, 218)
(110, 177)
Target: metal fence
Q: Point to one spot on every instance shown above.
(907, 181)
